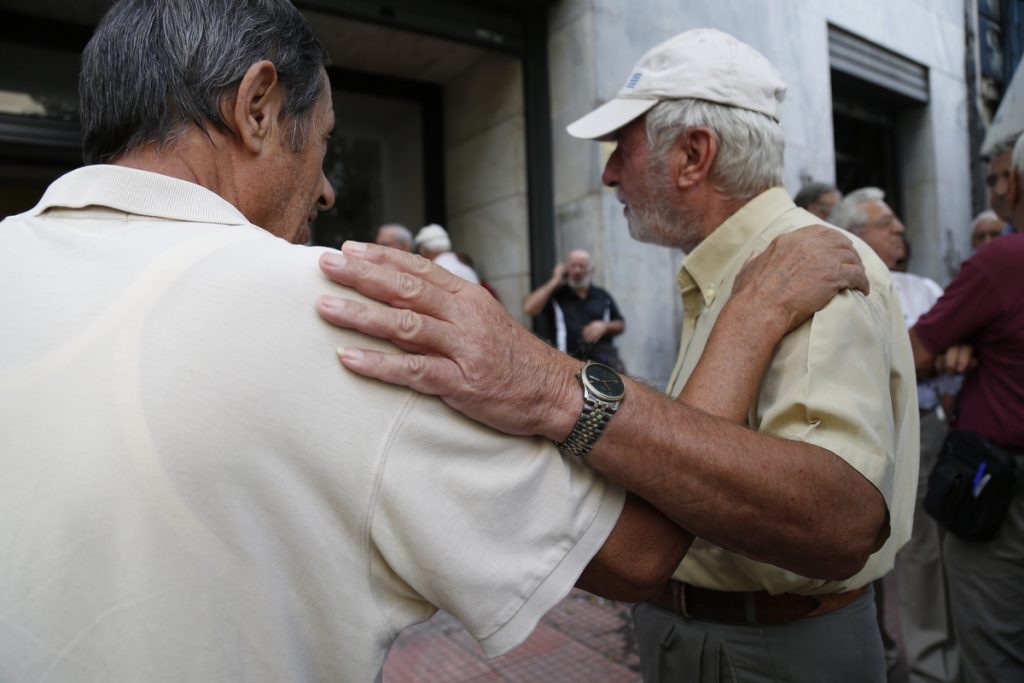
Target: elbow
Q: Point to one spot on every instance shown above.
(645, 579)
(640, 569)
(842, 566)
(640, 579)
(864, 538)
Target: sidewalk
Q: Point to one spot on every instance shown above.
(585, 638)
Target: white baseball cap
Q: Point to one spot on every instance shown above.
(702, 64)
(433, 237)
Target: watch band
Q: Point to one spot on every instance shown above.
(589, 427)
(603, 392)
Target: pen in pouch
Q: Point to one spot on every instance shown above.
(980, 479)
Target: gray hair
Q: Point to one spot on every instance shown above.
(155, 67)
(750, 145)
(810, 192)
(986, 215)
(849, 214)
(399, 229)
(1002, 147)
(1018, 156)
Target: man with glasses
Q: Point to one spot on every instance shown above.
(982, 306)
(932, 652)
(998, 180)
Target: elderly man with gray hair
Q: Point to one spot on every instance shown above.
(394, 235)
(931, 649)
(1000, 163)
(986, 227)
(818, 198)
(800, 491)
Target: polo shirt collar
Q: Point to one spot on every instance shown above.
(704, 266)
(141, 193)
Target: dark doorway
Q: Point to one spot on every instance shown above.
(385, 158)
(866, 150)
(865, 123)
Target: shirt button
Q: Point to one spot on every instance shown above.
(710, 293)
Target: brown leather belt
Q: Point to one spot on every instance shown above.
(755, 607)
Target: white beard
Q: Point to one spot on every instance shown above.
(661, 222)
(583, 283)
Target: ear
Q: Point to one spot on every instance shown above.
(692, 156)
(254, 110)
(1014, 191)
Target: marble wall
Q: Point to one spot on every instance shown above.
(593, 45)
(485, 153)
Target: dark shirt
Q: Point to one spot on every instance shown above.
(984, 306)
(566, 314)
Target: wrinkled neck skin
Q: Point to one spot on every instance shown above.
(211, 160)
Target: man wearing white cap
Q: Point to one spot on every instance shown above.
(432, 242)
(800, 492)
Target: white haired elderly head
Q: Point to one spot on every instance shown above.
(432, 240)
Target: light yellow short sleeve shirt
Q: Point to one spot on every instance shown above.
(844, 381)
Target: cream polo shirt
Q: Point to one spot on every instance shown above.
(844, 381)
(194, 489)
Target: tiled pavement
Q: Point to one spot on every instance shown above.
(585, 638)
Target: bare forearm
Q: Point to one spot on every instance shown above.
(616, 327)
(536, 300)
(640, 554)
(733, 352)
(787, 503)
(924, 360)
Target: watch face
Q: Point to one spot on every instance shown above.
(604, 382)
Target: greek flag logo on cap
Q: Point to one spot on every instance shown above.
(633, 80)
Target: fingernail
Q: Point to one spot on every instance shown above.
(349, 354)
(333, 259)
(354, 247)
(330, 303)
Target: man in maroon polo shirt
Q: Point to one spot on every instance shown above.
(984, 307)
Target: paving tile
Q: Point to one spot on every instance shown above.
(568, 663)
(584, 638)
(429, 657)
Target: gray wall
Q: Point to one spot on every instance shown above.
(593, 44)
(485, 152)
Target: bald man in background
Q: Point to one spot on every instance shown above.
(579, 317)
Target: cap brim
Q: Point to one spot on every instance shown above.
(609, 117)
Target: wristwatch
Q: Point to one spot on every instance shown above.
(603, 392)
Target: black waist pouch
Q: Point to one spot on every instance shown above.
(971, 486)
